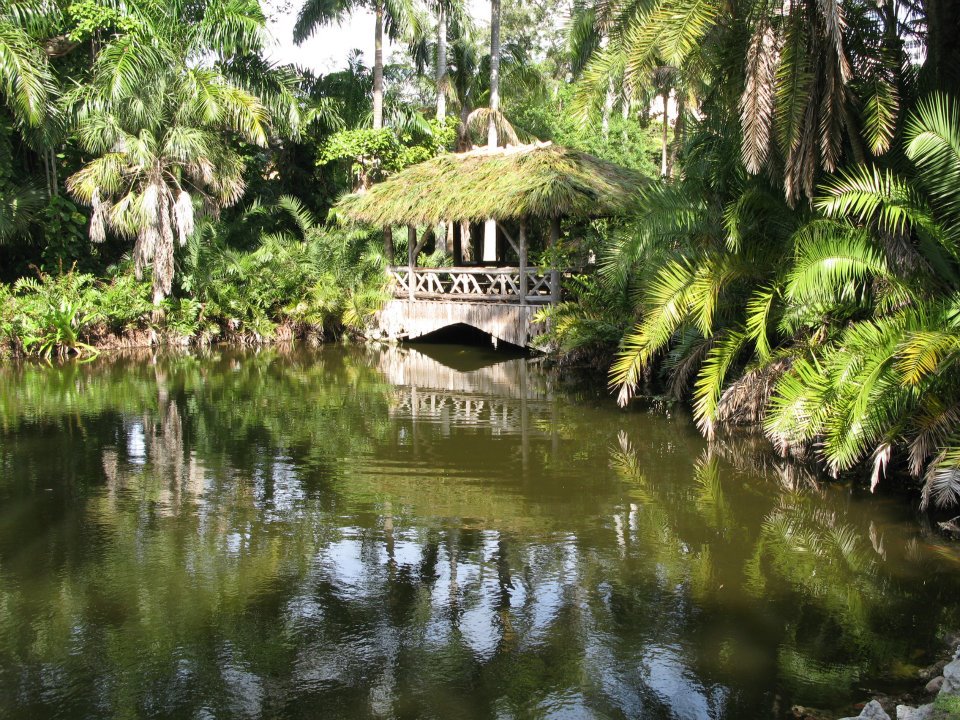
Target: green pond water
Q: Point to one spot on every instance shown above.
(419, 533)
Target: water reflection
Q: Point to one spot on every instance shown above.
(386, 533)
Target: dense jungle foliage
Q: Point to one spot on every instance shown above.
(793, 262)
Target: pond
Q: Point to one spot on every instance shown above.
(429, 533)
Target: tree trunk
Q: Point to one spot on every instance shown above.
(522, 240)
(448, 243)
(664, 139)
(463, 132)
(466, 243)
(492, 139)
(678, 130)
(411, 262)
(607, 109)
(378, 68)
(490, 227)
(853, 135)
(941, 69)
(54, 180)
(442, 62)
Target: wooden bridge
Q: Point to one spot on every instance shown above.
(500, 301)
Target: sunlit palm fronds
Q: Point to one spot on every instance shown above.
(26, 81)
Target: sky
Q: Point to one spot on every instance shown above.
(328, 48)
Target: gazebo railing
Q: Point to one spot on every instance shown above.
(478, 284)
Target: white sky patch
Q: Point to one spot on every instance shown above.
(327, 49)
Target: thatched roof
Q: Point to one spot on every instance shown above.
(541, 180)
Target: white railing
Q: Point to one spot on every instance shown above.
(476, 284)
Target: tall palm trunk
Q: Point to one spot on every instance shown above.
(442, 62)
(494, 72)
(463, 131)
(942, 66)
(378, 68)
(664, 139)
(490, 228)
(607, 109)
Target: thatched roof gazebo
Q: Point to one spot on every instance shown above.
(522, 181)
(517, 186)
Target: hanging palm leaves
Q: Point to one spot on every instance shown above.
(804, 83)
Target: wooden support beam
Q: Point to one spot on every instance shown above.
(388, 247)
(522, 252)
(457, 243)
(411, 262)
(509, 237)
(428, 231)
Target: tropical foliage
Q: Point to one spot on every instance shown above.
(833, 325)
(161, 124)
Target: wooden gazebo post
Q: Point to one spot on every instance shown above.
(411, 262)
(457, 243)
(522, 254)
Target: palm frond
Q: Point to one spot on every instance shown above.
(25, 77)
(314, 13)
(759, 92)
(832, 258)
(942, 483)
(713, 375)
(933, 143)
(880, 115)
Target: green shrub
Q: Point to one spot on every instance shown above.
(53, 313)
(65, 314)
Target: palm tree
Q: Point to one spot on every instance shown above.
(489, 251)
(494, 73)
(888, 262)
(449, 13)
(159, 119)
(397, 17)
(841, 333)
(798, 104)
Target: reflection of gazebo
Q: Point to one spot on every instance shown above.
(525, 189)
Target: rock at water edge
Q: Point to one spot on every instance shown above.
(872, 711)
(905, 712)
(951, 679)
(933, 687)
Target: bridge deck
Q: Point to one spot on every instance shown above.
(500, 301)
